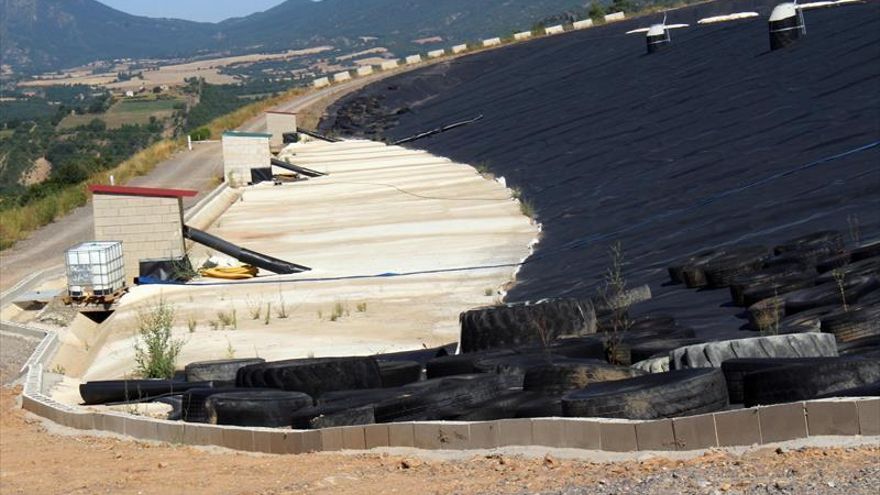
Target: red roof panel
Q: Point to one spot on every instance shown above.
(142, 191)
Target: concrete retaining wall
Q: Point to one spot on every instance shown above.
(413, 59)
(436, 53)
(616, 16)
(522, 36)
(389, 64)
(342, 76)
(321, 82)
(558, 29)
(459, 48)
(586, 23)
(492, 42)
(365, 70)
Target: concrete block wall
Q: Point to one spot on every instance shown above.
(436, 53)
(388, 64)
(321, 82)
(342, 76)
(149, 227)
(364, 70)
(459, 48)
(277, 123)
(522, 36)
(616, 16)
(558, 29)
(243, 151)
(582, 24)
(413, 59)
(492, 42)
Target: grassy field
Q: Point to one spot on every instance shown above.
(126, 112)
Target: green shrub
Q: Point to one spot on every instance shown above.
(155, 351)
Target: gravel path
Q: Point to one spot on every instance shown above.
(14, 351)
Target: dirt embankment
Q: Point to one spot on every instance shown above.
(58, 462)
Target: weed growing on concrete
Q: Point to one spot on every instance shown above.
(362, 307)
(230, 351)
(255, 308)
(488, 291)
(339, 310)
(155, 349)
(840, 279)
(227, 319)
(613, 294)
(268, 313)
(214, 324)
(281, 310)
(58, 369)
(191, 324)
(320, 315)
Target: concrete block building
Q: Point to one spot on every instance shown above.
(148, 221)
(243, 151)
(278, 123)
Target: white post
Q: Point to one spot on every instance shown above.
(112, 181)
(189, 142)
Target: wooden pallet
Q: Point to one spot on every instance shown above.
(92, 302)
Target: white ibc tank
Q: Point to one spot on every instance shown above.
(95, 268)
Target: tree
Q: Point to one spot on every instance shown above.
(596, 12)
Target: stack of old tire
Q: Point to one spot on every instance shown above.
(810, 285)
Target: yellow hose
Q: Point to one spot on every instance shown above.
(230, 272)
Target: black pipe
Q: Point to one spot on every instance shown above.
(247, 256)
(438, 130)
(296, 168)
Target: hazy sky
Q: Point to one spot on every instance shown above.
(193, 10)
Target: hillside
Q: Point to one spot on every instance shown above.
(40, 35)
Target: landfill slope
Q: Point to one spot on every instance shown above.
(717, 141)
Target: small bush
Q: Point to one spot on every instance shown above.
(362, 307)
(155, 351)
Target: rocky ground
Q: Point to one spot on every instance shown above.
(60, 461)
(14, 351)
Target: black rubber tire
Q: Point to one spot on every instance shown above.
(855, 323)
(741, 283)
(690, 270)
(735, 369)
(264, 408)
(640, 351)
(399, 373)
(766, 314)
(517, 364)
(824, 241)
(461, 364)
(805, 321)
(607, 306)
(503, 406)
(777, 287)
(722, 270)
(648, 322)
(855, 347)
(865, 251)
(659, 395)
(119, 391)
(224, 370)
(807, 381)
(865, 267)
(518, 324)
(456, 393)
(541, 406)
(833, 261)
(558, 378)
(713, 354)
(829, 294)
(331, 415)
(419, 355)
(319, 375)
(192, 405)
(868, 390)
